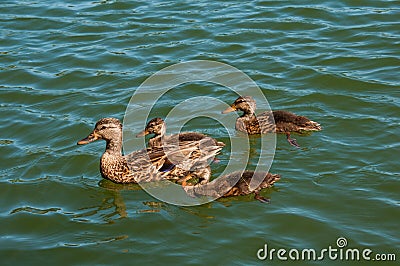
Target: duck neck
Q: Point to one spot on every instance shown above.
(114, 146)
(157, 140)
(159, 136)
(248, 115)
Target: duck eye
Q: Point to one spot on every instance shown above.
(103, 127)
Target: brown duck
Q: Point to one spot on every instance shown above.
(269, 122)
(154, 164)
(143, 165)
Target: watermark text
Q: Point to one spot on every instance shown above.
(338, 252)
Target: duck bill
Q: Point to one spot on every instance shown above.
(92, 137)
(143, 133)
(229, 109)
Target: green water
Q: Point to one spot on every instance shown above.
(66, 64)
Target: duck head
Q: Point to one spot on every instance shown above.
(109, 129)
(244, 103)
(155, 126)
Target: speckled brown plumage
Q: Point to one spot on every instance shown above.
(139, 166)
(157, 127)
(264, 123)
(269, 122)
(205, 148)
(241, 188)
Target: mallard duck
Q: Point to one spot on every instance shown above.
(242, 187)
(142, 165)
(183, 140)
(269, 122)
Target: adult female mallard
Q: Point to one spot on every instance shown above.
(241, 188)
(146, 164)
(182, 140)
(269, 122)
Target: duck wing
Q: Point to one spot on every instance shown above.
(190, 155)
(145, 164)
(266, 122)
(289, 122)
(186, 137)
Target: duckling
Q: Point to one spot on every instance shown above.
(143, 165)
(242, 187)
(183, 140)
(268, 122)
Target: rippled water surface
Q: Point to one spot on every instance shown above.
(66, 64)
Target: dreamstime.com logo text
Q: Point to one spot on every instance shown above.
(339, 252)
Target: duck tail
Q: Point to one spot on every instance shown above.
(261, 179)
(270, 179)
(313, 126)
